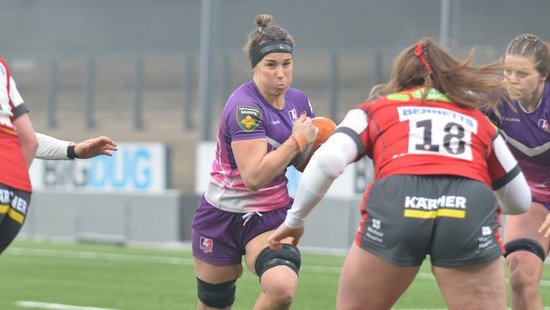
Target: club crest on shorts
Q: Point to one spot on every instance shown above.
(248, 118)
(206, 245)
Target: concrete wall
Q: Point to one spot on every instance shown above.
(332, 224)
(126, 218)
(110, 217)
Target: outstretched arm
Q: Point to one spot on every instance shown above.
(330, 160)
(56, 149)
(325, 166)
(94, 147)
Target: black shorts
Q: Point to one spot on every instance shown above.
(14, 205)
(452, 219)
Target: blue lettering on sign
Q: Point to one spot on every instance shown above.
(126, 169)
(142, 164)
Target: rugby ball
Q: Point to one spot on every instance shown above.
(325, 128)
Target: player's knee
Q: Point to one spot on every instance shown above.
(220, 295)
(525, 244)
(281, 299)
(287, 256)
(522, 283)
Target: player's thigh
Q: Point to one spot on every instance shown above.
(367, 279)
(216, 274)
(479, 286)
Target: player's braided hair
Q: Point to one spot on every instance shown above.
(529, 45)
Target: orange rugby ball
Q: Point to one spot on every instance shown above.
(325, 128)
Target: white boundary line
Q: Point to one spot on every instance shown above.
(52, 306)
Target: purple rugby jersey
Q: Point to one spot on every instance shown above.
(247, 115)
(528, 137)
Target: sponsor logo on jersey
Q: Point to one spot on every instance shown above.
(293, 114)
(543, 124)
(412, 112)
(248, 118)
(511, 119)
(431, 208)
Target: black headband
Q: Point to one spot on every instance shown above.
(259, 52)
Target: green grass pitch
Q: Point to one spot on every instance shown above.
(39, 275)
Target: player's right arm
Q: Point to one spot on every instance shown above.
(326, 164)
(258, 166)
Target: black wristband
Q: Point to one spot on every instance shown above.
(71, 153)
